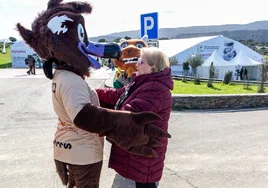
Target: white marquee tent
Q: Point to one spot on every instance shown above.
(217, 60)
(222, 66)
(245, 62)
(182, 49)
(19, 52)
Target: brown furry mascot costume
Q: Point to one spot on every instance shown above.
(58, 35)
(129, 58)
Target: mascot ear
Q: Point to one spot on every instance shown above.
(122, 40)
(145, 38)
(53, 3)
(26, 34)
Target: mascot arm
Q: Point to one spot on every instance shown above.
(109, 95)
(131, 131)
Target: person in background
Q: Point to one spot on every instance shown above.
(148, 91)
(246, 73)
(241, 73)
(112, 65)
(109, 63)
(31, 64)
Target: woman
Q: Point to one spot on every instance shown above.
(149, 91)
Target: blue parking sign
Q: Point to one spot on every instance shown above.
(149, 25)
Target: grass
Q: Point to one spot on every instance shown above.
(5, 59)
(219, 88)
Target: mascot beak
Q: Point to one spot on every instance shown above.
(108, 50)
(112, 50)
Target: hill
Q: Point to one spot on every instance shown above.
(256, 31)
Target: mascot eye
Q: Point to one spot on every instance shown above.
(139, 45)
(124, 45)
(81, 32)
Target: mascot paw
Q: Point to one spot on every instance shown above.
(137, 135)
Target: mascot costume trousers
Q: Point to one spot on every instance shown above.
(59, 36)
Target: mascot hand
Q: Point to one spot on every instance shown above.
(131, 131)
(130, 71)
(136, 135)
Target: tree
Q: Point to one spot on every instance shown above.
(127, 37)
(173, 61)
(264, 70)
(211, 74)
(117, 40)
(228, 77)
(185, 68)
(195, 61)
(12, 39)
(102, 40)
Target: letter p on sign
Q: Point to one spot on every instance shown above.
(149, 25)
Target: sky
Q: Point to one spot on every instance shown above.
(109, 16)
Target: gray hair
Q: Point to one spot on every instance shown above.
(156, 58)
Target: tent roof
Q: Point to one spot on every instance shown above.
(19, 44)
(7, 40)
(217, 60)
(174, 46)
(243, 60)
(184, 48)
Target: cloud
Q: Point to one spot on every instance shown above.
(4, 4)
(21, 3)
(169, 11)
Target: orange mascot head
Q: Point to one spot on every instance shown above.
(130, 54)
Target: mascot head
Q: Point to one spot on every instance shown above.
(130, 54)
(59, 34)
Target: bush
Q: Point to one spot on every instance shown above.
(5, 65)
(209, 84)
(261, 89)
(197, 81)
(185, 66)
(228, 77)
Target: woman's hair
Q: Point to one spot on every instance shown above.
(157, 59)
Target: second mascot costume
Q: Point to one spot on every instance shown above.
(59, 36)
(127, 62)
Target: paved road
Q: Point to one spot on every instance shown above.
(208, 149)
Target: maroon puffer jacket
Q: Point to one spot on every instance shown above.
(151, 93)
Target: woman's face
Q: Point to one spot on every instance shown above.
(143, 67)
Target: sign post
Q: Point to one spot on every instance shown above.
(4, 47)
(149, 27)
